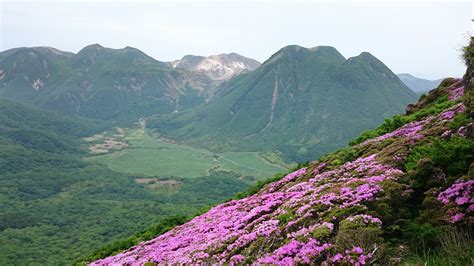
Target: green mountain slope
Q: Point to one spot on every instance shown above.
(401, 194)
(98, 82)
(300, 102)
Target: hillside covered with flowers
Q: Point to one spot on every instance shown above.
(401, 191)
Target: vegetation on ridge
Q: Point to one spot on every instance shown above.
(405, 194)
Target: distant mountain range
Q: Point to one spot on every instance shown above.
(119, 84)
(419, 85)
(100, 82)
(217, 67)
(301, 103)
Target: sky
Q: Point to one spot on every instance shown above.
(421, 38)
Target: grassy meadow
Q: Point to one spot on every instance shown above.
(141, 152)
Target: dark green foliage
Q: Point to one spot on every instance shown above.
(459, 120)
(118, 246)
(453, 156)
(286, 217)
(358, 235)
(422, 236)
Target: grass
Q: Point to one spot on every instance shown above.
(150, 155)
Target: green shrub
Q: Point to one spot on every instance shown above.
(453, 156)
(118, 246)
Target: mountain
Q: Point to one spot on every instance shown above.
(399, 192)
(301, 103)
(99, 82)
(419, 85)
(217, 67)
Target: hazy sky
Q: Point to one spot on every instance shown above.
(420, 38)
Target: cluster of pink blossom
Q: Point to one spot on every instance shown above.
(456, 90)
(288, 178)
(409, 131)
(460, 198)
(366, 219)
(449, 114)
(413, 130)
(462, 131)
(355, 256)
(447, 134)
(306, 231)
(296, 252)
(232, 227)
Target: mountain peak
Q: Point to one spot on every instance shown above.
(91, 49)
(301, 53)
(217, 67)
(94, 46)
(127, 55)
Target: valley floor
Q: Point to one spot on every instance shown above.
(138, 151)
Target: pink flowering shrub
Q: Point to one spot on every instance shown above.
(459, 200)
(413, 130)
(235, 227)
(456, 90)
(329, 212)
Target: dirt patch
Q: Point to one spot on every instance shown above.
(96, 137)
(107, 142)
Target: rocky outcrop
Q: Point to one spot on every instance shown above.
(217, 67)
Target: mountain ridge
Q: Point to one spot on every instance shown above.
(292, 89)
(418, 85)
(99, 82)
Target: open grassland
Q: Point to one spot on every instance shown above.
(150, 155)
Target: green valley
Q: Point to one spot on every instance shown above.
(148, 154)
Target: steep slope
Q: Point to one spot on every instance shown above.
(300, 102)
(99, 82)
(217, 67)
(406, 191)
(418, 85)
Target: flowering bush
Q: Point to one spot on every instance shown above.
(328, 213)
(459, 200)
(233, 226)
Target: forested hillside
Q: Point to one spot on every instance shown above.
(55, 206)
